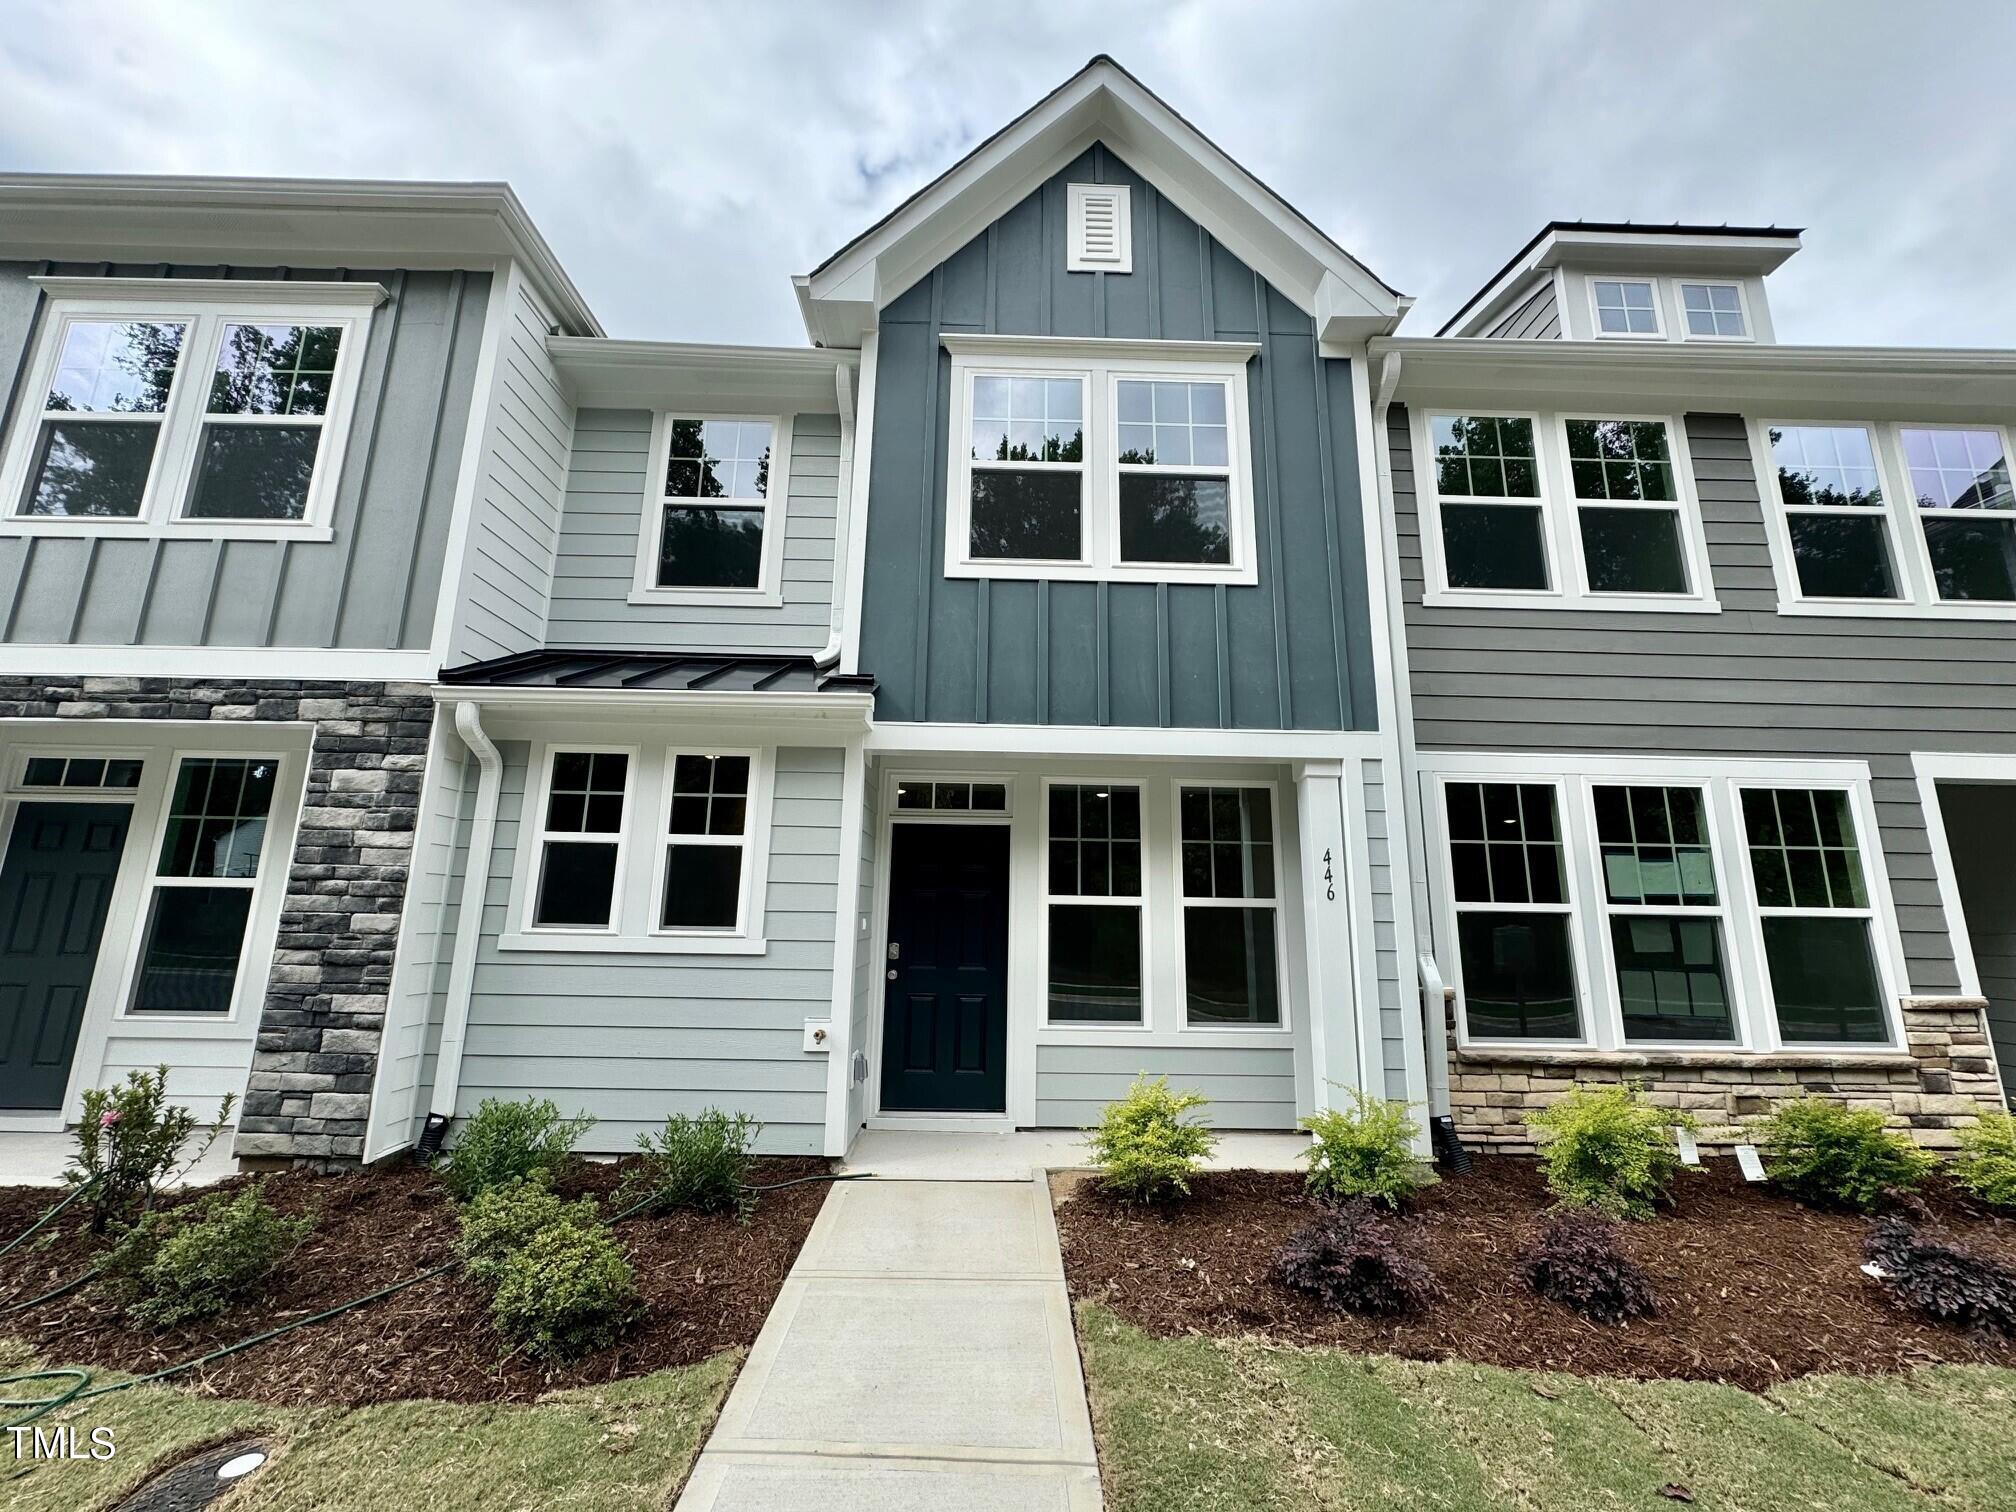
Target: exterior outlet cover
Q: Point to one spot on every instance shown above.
(1101, 238)
(818, 1036)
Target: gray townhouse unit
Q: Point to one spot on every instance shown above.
(1105, 647)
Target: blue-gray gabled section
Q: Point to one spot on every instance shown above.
(1293, 651)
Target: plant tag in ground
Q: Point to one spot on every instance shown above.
(1690, 1152)
(1752, 1166)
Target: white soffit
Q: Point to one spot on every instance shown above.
(709, 379)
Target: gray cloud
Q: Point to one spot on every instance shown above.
(686, 160)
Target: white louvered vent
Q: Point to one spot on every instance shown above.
(1102, 233)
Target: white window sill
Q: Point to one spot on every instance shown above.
(218, 1026)
(561, 943)
(711, 598)
(1605, 603)
(176, 530)
(1895, 609)
(1080, 572)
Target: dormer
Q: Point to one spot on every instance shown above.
(1590, 281)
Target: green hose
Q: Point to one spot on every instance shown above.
(21, 1238)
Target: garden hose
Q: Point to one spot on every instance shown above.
(22, 1237)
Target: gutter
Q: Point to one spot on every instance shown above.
(468, 924)
(828, 656)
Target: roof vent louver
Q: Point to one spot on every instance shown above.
(1102, 234)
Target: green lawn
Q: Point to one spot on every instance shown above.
(621, 1446)
(1200, 1423)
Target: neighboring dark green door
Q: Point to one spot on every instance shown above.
(55, 886)
(945, 1024)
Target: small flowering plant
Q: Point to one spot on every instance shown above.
(130, 1143)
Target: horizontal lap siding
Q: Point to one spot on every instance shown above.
(599, 542)
(201, 1072)
(1538, 317)
(632, 1038)
(1393, 973)
(1747, 682)
(1248, 1088)
(374, 586)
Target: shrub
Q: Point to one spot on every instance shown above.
(1608, 1149)
(509, 1141)
(1580, 1263)
(566, 1292)
(1986, 1164)
(1366, 1151)
(1947, 1282)
(1347, 1260)
(498, 1223)
(1832, 1156)
(700, 1163)
(129, 1142)
(1145, 1148)
(183, 1264)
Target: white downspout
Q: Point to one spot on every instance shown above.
(829, 654)
(469, 922)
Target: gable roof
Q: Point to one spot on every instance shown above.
(1102, 102)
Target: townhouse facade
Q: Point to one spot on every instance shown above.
(1106, 647)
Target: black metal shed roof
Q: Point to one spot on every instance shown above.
(655, 672)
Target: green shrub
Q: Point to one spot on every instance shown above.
(498, 1223)
(566, 1292)
(183, 1264)
(129, 1143)
(1144, 1147)
(1607, 1148)
(509, 1141)
(1986, 1164)
(700, 1163)
(1366, 1150)
(1832, 1156)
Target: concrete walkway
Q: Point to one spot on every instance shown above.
(920, 1358)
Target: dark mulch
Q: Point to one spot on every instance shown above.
(707, 1282)
(1752, 1289)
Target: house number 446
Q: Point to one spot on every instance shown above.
(1329, 879)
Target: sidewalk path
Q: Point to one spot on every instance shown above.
(920, 1358)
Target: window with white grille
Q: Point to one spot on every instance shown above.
(1102, 235)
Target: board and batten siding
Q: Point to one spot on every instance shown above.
(1747, 682)
(1537, 317)
(514, 526)
(374, 586)
(592, 581)
(633, 1038)
(1290, 652)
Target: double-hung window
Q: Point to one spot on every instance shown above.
(1960, 479)
(1487, 482)
(707, 842)
(1835, 521)
(713, 510)
(1665, 913)
(1513, 921)
(199, 898)
(1095, 904)
(1105, 460)
(188, 405)
(1627, 506)
(579, 839)
(1228, 896)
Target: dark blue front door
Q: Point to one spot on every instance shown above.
(945, 1025)
(55, 886)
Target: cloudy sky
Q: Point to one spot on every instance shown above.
(685, 160)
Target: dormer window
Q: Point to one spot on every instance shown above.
(1626, 307)
(1714, 311)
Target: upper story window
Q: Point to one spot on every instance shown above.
(1120, 461)
(1626, 307)
(713, 510)
(1713, 311)
(217, 409)
(1586, 511)
(1890, 519)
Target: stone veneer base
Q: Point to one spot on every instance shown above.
(1944, 1080)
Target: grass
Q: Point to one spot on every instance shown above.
(627, 1444)
(1234, 1424)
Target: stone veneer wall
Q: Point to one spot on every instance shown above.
(317, 1050)
(1945, 1080)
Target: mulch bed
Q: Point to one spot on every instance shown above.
(707, 1282)
(1752, 1288)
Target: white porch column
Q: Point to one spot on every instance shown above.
(1330, 925)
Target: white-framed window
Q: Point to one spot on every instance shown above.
(1711, 311)
(115, 771)
(1228, 890)
(577, 836)
(1113, 461)
(714, 506)
(704, 875)
(213, 409)
(1095, 904)
(200, 890)
(1873, 518)
(1643, 904)
(982, 795)
(1579, 510)
(1627, 308)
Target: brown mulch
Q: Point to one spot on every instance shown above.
(707, 1283)
(1752, 1288)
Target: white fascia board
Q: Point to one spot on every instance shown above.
(1665, 252)
(714, 379)
(214, 291)
(919, 739)
(842, 710)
